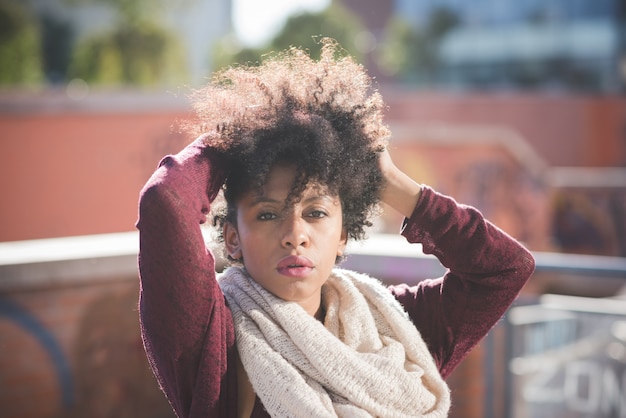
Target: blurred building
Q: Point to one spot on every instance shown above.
(565, 45)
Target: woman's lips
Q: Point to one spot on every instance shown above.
(294, 266)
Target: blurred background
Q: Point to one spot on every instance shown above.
(515, 107)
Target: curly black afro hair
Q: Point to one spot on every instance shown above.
(323, 116)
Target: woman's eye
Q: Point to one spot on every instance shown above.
(266, 216)
(317, 214)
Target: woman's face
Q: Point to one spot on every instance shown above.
(290, 250)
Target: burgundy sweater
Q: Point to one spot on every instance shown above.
(188, 330)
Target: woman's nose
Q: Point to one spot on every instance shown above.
(295, 233)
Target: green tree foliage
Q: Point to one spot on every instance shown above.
(137, 51)
(303, 30)
(19, 46)
(399, 51)
(410, 53)
(142, 55)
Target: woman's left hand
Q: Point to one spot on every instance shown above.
(399, 190)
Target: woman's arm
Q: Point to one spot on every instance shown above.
(486, 268)
(186, 327)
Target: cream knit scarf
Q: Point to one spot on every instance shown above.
(367, 359)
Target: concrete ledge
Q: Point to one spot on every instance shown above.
(25, 265)
(69, 261)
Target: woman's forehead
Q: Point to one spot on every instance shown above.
(280, 177)
(281, 185)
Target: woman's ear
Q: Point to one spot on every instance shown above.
(231, 241)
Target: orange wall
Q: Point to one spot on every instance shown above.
(564, 130)
(77, 173)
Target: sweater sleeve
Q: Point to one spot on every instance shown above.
(186, 327)
(486, 270)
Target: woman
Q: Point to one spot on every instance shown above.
(299, 149)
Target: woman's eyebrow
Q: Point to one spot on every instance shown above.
(321, 198)
(258, 199)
